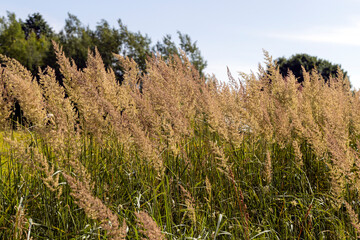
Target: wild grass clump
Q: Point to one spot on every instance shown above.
(168, 154)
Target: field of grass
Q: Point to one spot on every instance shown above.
(170, 155)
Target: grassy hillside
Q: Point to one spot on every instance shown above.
(171, 155)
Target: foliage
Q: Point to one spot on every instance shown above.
(168, 48)
(186, 157)
(76, 40)
(30, 48)
(35, 23)
(297, 62)
(29, 42)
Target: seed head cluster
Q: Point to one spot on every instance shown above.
(160, 109)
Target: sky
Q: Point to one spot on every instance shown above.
(229, 33)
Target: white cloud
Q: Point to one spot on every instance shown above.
(344, 35)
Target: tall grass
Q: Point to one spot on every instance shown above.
(168, 154)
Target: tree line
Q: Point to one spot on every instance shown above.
(30, 42)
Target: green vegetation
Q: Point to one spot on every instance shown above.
(29, 42)
(297, 62)
(182, 157)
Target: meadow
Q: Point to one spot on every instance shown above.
(168, 154)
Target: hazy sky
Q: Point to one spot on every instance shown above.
(228, 33)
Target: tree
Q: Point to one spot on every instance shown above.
(12, 38)
(36, 24)
(134, 45)
(30, 51)
(30, 43)
(168, 47)
(36, 51)
(76, 40)
(192, 51)
(108, 41)
(295, 63)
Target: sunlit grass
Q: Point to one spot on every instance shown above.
(187, 159)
